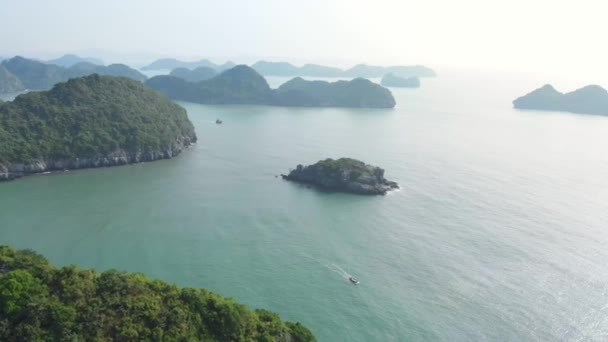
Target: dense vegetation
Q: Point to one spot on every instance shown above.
(243, 85)
(36, 75)
(39, 302)
(390, 80)
(196, 75)
(90, 116)
(591, 99)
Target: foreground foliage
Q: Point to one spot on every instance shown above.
(39, 302)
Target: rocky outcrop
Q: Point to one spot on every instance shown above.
(344, 175)
(119, 157)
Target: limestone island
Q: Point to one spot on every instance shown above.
(19, 74)
(42, 302)
(343, 175)
(391, 80)
(591, 99)
(244, 85)
(88, 122)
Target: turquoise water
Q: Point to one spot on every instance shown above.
(498, 233)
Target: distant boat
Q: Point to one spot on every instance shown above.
(218, 121)
(353, 280)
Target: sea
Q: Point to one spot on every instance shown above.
(498, 233)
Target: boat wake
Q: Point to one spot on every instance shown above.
(333, 267)
(339, 270)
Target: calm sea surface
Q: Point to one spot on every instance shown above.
(499, 233)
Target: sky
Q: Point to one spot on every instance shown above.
(552, 36)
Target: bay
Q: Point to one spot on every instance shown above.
(498, 232)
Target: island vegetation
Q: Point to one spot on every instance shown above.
(343, 175)
(91, 121)
(243, 85)
(591, 99)
(39, 302)
(35, 75)
(391, 80)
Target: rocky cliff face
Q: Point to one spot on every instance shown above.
(10, 171)
(344, 175)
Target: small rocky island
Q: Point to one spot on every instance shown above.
(391, 80)
(344, 175)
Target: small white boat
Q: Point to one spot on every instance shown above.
(353, 280)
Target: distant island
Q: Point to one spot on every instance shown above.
(40, 302)
(591, 99)
(286, 69)
(390, 80)
(243, 85)
(68, 60)
(343, 175)
(199, 74)
(172, 63)
(357, 93)
(360, 70)
(9, 83)
(93, 121)
(19, 74)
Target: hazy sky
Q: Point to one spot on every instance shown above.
(544, 35)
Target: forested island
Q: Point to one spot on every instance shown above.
(390, 80)
(243, 85)
(286, 69)
(92, 121)
(344, 175)
(591, 99)
(19, 74)
(39, 302)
